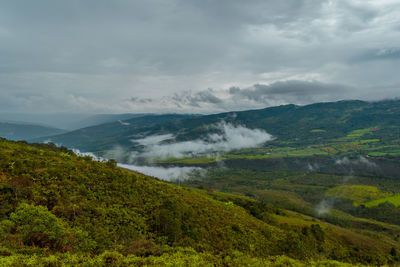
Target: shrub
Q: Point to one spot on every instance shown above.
(37, 226)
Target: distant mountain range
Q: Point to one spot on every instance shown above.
(306, 124)
(21, 131)
(65, 121)
(102, 118)
(105, 136)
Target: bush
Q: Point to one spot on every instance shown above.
(35, 225)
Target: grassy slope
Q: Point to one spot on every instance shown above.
(369, 196)
(357, 193)
(305, 192)
(395, 200)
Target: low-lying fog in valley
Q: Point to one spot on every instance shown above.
(168, 174)
(157, 147)
(228, 138)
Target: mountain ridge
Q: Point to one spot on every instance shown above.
(24, 131)
(285, 122)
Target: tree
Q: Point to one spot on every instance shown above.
(170, 221)
(35, 225)
(393, 252)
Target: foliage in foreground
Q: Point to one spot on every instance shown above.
(56, 206)
(175, 257)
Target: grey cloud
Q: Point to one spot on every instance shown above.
(293, 91)
(92, 55)
(265, 95)
(392, 53)
(195, 99)
(167, 174)
(140, 100)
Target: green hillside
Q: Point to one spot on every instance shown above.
(395, 200)
(106, 136)
(59, 208)
(346, 125)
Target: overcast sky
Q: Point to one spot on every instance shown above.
(102, 56)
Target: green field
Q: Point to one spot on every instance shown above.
(357, 193)
(395, 200)
(363, 142)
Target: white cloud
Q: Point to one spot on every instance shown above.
(164, 173)
(229, 137)
(153, 139)
(167, 174)
(358, 161)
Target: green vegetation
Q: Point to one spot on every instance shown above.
(325, 189)
(360, 132)
(395, 200)
(174, 257)
(357, 193)
(306, 192)
(62, 209)
(337, 128)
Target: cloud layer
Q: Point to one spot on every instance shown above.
(229, 137)
(167, 174)
(162, 56)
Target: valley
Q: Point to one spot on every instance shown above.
(319, 189)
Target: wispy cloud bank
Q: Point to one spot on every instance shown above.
(124, 123)
(328, 203)
(229, 137)
(167, 174)
(225, 137)
(164, 173)
(260, 95)
(359, 161)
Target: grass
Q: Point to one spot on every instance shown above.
(395, 200)
(366, 141)
(360, 132)
(357, 193)
(383, 154)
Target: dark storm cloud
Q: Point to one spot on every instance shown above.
(94, 55)
(140, 100)
(261, 95)
(195, 99)
(298, 92)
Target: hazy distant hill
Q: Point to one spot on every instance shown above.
(291, 122)
(67, 121)
(306, 124)
(105, 136)
(21, 131)
(103, 118)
